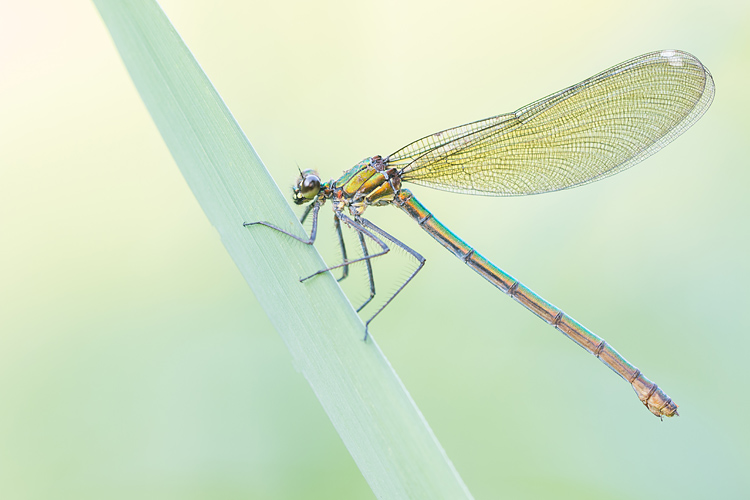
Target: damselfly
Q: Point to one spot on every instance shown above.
(581, 134)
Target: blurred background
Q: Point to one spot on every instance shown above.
(136, 363)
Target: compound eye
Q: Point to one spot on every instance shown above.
(310, 186)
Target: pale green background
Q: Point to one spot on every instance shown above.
(135, 362)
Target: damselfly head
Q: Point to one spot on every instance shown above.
(307, 187)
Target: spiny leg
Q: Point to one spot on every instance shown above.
(366, 223)
(370, 278)
(315, 207)
(345, 274)
(360, 229)
(337, 224)
(306, 212)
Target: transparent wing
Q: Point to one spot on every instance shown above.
(583, 133)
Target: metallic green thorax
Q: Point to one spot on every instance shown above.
(370, 182)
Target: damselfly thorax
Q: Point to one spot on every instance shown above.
(369, 183)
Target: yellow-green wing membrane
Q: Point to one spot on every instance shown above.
(583, 133)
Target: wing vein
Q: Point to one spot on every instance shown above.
(581, 134)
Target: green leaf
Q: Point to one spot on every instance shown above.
(376, 418)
